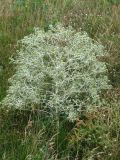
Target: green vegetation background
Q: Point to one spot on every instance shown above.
(37, 136)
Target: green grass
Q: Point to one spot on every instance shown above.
(38, 135)
(26, 135)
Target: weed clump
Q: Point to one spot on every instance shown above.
(59, 69)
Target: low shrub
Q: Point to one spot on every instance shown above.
(59, 70)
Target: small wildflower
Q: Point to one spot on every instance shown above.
(110, 154)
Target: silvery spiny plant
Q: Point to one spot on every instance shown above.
(59, 69)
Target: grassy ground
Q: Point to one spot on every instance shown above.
(26, 135)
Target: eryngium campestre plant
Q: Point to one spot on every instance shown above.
(59, 69)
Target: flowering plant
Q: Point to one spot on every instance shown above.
(59, 69)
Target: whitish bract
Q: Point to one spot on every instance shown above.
(59, 69)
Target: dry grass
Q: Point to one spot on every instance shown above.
(102, 22)
(5, 8)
